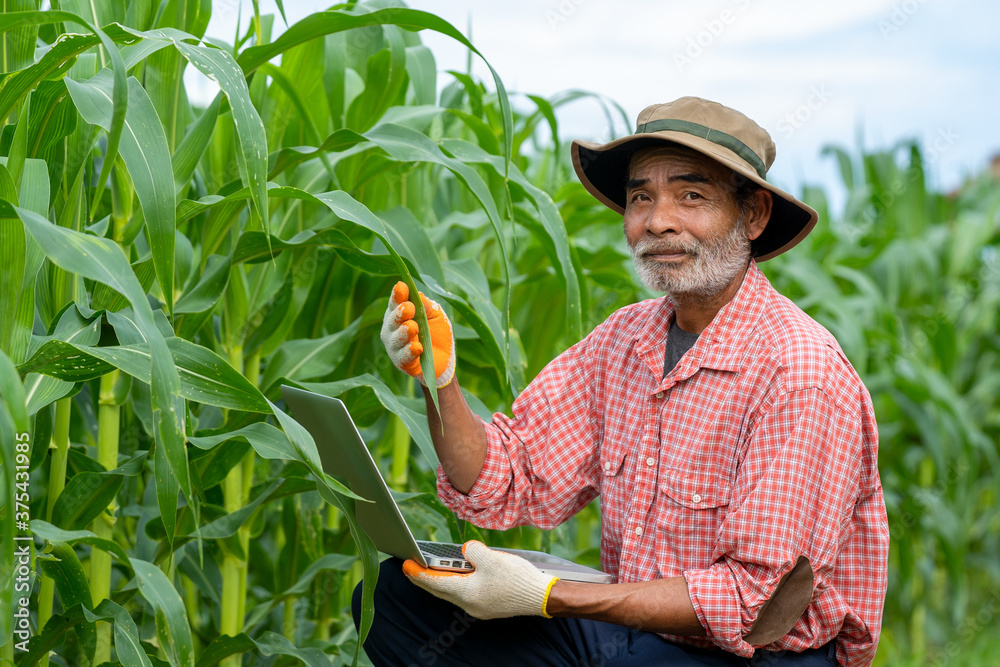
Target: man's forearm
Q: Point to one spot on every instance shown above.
(662, 605)
(461, 446)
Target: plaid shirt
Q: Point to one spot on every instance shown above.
(758, 447)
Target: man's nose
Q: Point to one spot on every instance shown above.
(663, 218)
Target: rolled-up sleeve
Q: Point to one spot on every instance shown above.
(796, 494)
(540, 463)
(491, 487)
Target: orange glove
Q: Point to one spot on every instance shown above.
(502, 585)
(399, 335)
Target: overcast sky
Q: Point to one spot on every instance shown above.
(811, 73)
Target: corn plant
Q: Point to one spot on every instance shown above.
(167, 267)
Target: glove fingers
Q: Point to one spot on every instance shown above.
(477, 552)
(406, 335)
(398, 341)
(400, 335)
(400, 330)
(411, 348)
(404, 313)
(400, 292)
(412, 329)
(401, 295)
(482, 556)
(413, 569)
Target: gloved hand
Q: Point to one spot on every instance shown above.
(502, 585)
(399, 335)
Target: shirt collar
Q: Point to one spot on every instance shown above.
(721, 344)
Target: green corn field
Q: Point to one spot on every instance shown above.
(165, 267)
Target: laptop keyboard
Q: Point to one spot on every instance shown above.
(442, 550)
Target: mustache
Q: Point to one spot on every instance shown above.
(659, 246)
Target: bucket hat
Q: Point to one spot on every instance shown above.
(721, 133)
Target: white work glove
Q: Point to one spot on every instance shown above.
(399, 335)
(502, 585)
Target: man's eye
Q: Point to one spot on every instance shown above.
(636, 196)
(692, 195)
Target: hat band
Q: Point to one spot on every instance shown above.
(716, 137)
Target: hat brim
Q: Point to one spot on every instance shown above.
(603, 170)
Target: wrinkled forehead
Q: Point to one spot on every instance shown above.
(675, 156)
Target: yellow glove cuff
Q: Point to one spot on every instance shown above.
(545, 600)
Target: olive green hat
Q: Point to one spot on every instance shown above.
(721, 133)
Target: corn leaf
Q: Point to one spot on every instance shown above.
(65, 569)
(269, 643)
(219, 66)
(51, 533)
(15, 87)
(333, 21)
(204, 376)
(127, 643)
(101, 260)
(268, 441)
(309, 358)
(554, 234)
(42, 390)
(88, 494)
(172, 626)
(146, 155)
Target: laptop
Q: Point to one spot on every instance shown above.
(343, 454)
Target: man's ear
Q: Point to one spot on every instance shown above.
(761, 213)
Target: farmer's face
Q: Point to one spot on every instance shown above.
(682, 223)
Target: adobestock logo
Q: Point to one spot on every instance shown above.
(565, 9)
(704, 39)
(802, 114)
(900, 15)
(943, 140)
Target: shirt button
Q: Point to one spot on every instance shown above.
(638, 530)
(696, 498)
(659, 394)
(650, 461)
(607, 465)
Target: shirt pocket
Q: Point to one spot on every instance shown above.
(691, 506)
(616, 488)
(695, 490)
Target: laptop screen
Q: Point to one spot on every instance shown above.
(344, 454)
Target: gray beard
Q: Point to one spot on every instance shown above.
(710, 268)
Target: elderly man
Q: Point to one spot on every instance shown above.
(733, 446)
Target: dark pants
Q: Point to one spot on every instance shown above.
(413, 628)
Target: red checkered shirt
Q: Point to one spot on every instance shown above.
(758, 447)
